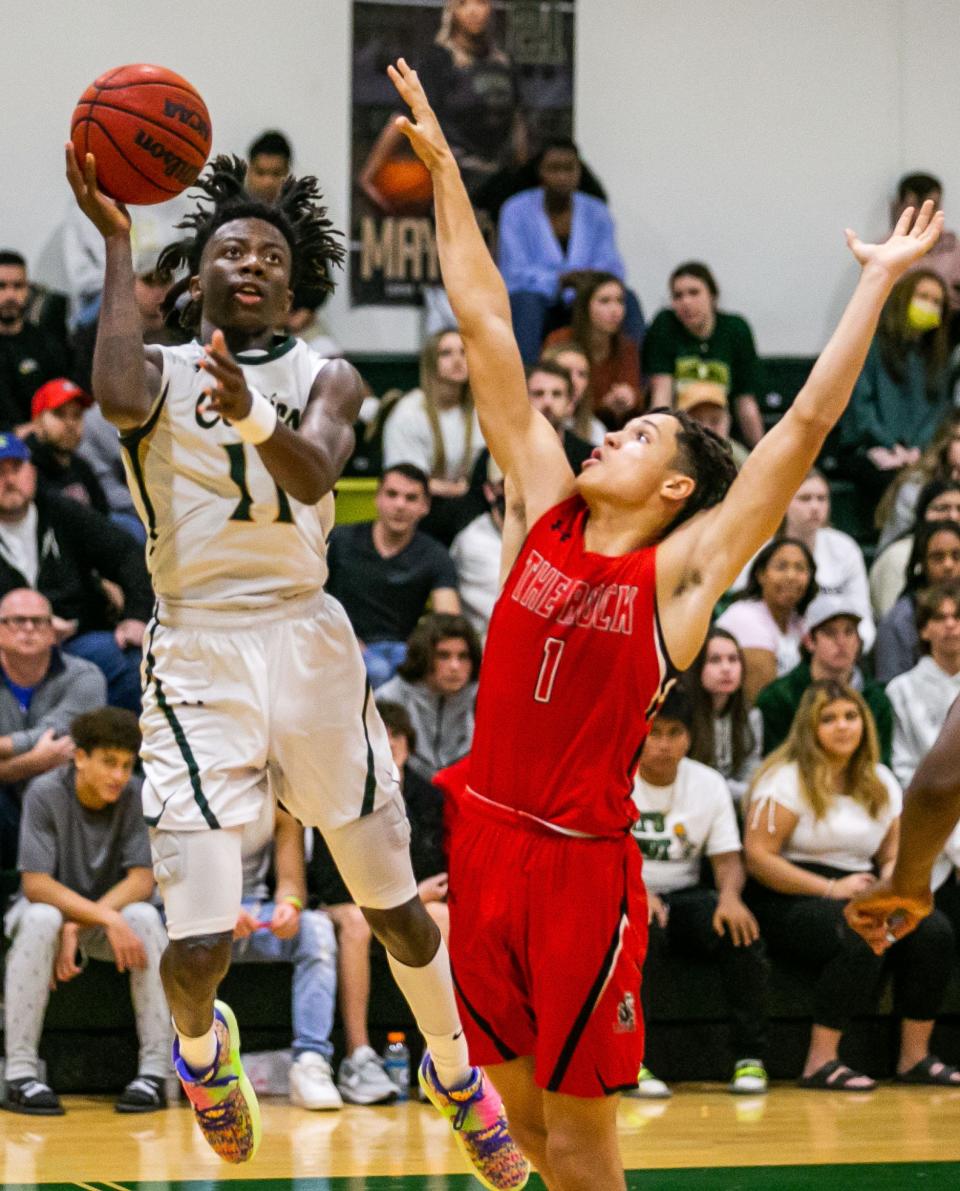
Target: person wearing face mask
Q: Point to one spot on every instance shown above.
(939, 500)
(693, 340)
(768, 619)
(824, 820)
(900, 396)
(935, 558)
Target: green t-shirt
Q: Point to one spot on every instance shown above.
(728, 356)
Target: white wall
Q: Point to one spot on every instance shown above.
(745, 132)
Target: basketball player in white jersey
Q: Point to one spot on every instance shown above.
(254, 685)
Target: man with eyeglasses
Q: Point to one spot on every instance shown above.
(41, 691)
(63, 550)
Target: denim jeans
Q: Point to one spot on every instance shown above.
(313, 953)
(382, 659)
(121, 667)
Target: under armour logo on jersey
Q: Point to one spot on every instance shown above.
(557, 527)
(626, 1022)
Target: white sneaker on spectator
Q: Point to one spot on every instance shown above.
(649, 1087)
(311, 1083)
(362, 1079)
(749, 1078)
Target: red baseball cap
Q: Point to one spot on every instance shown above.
(56, 393)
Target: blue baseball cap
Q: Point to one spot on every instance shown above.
(12, 447)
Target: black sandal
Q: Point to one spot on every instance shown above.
(146, 1093)
(835, 1077)
(923, 1073)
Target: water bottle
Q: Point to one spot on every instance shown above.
(396, 1063)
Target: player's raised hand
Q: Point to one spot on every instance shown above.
(229, 395)
(882, 916)
(908, 241)
(423, 132)
(110, 218)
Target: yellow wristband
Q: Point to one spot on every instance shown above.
(293, 901)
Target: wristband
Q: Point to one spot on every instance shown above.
(293, 901)
(259, 423)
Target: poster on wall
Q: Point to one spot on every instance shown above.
(500, 77)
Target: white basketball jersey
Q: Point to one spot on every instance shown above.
(220, 532)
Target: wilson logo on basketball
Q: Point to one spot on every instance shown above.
(174, 165)
(188, 116)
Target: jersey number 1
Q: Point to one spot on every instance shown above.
(552, 652)
(238, 473)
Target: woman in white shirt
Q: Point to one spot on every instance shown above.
(823, 820)
(768, 620)
(725, 733)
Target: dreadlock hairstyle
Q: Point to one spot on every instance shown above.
(299, 215)
(706, 458)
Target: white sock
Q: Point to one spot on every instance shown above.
(429, 993)
(198, 1053)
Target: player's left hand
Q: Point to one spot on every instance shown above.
(906, 243)
(229, 395)
(425, 136)
(733, 916)
(285, 921)
(883, 916)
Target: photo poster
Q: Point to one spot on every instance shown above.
(499, 75)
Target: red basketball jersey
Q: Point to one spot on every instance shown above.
(573, 672)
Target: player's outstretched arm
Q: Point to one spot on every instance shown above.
(720, 542)
(522, 442)
(931, 810)
(125, 378)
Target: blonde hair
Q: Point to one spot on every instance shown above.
(803, 749)
(430, 384)
(446, 36)
(583, 414)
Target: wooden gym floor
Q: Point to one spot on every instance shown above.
(705, 1139)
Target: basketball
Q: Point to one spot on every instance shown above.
(148, 129)
(405, 181)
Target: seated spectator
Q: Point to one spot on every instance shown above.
(28, 356)
(944, 257)
(100, 447)
(437, 687)
(385, 571)
(939, 500)
(725, 733)
(832, 646)
(685, 814)
(274, 927)
(361, 1077)
(63, 550)
(435, 427)
(695, 341)
(41, 691)
(476, 553)
(897, 512)
(599, 312)
(57, 412)
(935, 558)
(574, 358)
(87, 885)
(922, 697)
(823, 820)
(900, 396)
(706, 402)
(768, 620)
(550, 390)
(269, 159)
(548, 232)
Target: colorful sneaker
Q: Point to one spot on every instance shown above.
(480, 1127)
(223, 1099)
(749, 1078)
(649, 1087)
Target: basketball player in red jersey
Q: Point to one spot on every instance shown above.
(614, 575)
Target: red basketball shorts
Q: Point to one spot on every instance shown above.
(548, 934)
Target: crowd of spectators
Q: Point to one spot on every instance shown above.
(769, 789)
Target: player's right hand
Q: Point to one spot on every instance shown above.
(882, 915)
(108, 217)
(426, 135)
